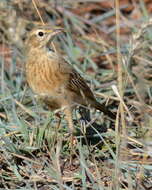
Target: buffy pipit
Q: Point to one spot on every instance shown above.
(53, 79)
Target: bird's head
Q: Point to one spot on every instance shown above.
(42, 35)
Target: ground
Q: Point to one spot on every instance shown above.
(111, 49)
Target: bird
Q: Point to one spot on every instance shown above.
(53, 79)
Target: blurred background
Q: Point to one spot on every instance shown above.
(110, 44)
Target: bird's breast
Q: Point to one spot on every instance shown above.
(42, 77)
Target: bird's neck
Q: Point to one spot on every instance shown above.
(38, 52)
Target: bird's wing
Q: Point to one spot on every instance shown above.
(75, 82)
(78, 85)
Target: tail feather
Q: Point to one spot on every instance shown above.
(105, 110)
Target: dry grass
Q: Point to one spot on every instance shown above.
(34, 147)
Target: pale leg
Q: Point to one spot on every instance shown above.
(68, 115)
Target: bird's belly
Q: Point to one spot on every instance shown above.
(48, 97)
(51, 102)
(48, 85)
(40, 81)
(49, 93)
(41, 89)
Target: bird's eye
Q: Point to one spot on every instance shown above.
(41, 33)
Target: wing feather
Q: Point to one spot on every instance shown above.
(75, 83)
(79, 86)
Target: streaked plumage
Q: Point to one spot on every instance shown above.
(54, 80)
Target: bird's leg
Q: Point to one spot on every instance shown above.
(58, 124)
(68, 115)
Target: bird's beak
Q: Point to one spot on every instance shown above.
(55, 31)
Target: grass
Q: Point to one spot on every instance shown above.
(34, 146)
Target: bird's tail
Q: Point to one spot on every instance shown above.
(105, 110)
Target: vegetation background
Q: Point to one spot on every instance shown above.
(110, 44)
